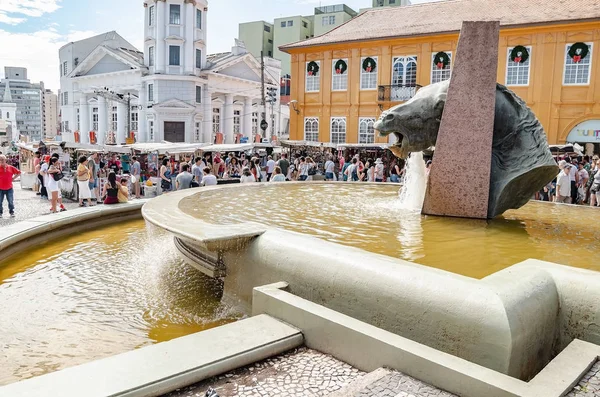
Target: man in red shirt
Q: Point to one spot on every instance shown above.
(8, 174)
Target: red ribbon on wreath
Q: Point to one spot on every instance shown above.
(518, 59)
(577, 58)
(338, 71)
(310, 73)
(440, 65)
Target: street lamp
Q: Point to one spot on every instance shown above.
(294, 102)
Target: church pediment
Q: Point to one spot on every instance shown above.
(244, 67)
(108, 60)
(174, 104)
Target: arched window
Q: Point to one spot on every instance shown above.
(311, 129)
(404, 78)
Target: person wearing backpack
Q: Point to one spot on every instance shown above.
(352, 171)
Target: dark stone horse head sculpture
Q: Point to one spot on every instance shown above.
(521, 160)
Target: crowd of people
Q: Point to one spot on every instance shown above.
(577, 183)
(114, 179)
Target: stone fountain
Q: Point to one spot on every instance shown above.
(494, 151)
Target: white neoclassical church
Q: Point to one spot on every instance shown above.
(172, 91)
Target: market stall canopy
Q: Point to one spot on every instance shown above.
(568, 148)
(166, 148)
(286, 143)
(342, 146)
(234, 147)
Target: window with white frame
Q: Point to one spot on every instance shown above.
(198, 59)
(578, 63)
(328, 20)
(237, 121)
(78, 120)
(339, 71)
(151, 16)
(67, 126)
(216, 122)
(65, 98)
(175, 14)
(65, 68)
(134, 118)
(151, 130)
(113, 124)
(311, 129)
(255, 122)
(338, 130)
(313, 76)
(150, 56)
(518, 65)
(366, 132)
(441, 64)
(198, 19)
(94, 119)
(404, 78)
(197, 132)
(198, 94)
(150, 92)
(174, 55)
(368, 73)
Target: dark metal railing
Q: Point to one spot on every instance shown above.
(396, 93)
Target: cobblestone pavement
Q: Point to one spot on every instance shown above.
(399, 385)
(28, 205)
(589, 385)
(299, 373)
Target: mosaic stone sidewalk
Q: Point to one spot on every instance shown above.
(299, 373)
(397, 384)
(589, 385)
(28, 205)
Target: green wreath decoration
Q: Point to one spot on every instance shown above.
(369, 65)
(519, 54)
(441, 60)
(578, 51)
(341, 66)
(312, 68)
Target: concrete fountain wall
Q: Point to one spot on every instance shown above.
(513, 321)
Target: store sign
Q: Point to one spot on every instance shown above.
(588, 131)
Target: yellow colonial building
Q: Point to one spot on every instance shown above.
(548, 55)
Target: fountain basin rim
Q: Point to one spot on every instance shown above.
(20, 235)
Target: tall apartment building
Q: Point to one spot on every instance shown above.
(29, 98)
(262, 36)
(51, 112)
(259, 35)
(390, 3)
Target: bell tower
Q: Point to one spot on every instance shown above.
(175, 36)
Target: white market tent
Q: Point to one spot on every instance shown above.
(234, 147)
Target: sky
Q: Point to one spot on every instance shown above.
(32, 31)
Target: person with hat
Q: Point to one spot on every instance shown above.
(563, 183)
(8, 174)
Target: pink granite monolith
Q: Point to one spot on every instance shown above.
(459, 180)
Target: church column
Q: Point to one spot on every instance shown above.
(142, 122)
(161, 23)
(207, 115)
(247, 118)
(190, 54)
(102, 120)
(228, 119)
(84, 118)
(121, 123)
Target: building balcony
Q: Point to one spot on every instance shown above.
(396, 93)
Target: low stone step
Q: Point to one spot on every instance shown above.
(158, 369)
(384, 382)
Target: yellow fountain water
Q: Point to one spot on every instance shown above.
(372, 218)
(99, 293)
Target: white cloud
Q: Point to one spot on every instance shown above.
(10, 20)
(32, 8)
(38, 52)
